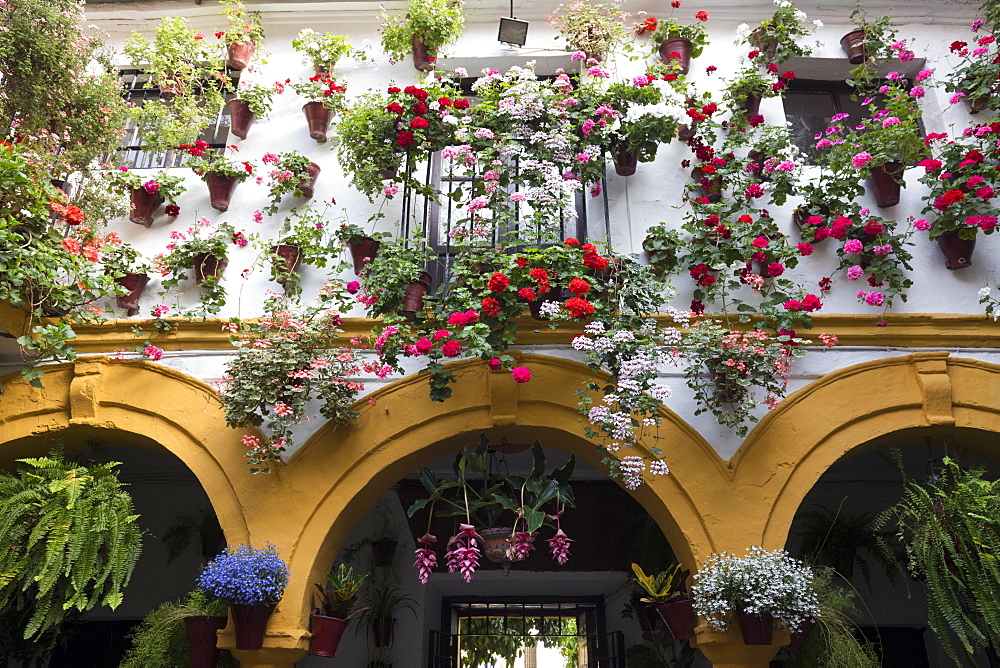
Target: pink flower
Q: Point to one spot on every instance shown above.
(923, 75)
(426, 558)
(258, 216)
(353, 287)
(522, 374)
(855, 272)
(861, 159)
(854, 246)
(441, 334)
(464, 558)
(524, 543)
(578, 55)
(559, 547)
(160, 310)
(875, 298)
(891, 120)
(956, 98)
(917, 91)
(922, 224)
(151, 186)
(494, 364)
(151, 352)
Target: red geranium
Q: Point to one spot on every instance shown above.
(527, 294)
(491, 307)
(461, 103)
(579, 308)
(404, 138)
(579, 287)
(498, 282)
(451, 349)
(419, 123)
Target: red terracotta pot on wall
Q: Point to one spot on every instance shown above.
(144, 206)
(220, 189)
(682, 47)
(318, 118)
(240, 118)
(240, 55)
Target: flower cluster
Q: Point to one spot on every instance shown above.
(977, 77)
(246, 575)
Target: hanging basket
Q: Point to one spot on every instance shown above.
(144, 206)
(761, 42)
(755, 629)
(286, 261)
(885, 183)
(202, 633)
(383, 631)
(318, 118)
(854, 47)
(220, 189)
(957, 251)
(207, 266)
(421, 56)
(251, 623)
(535, 307)
(326, 635)
(363, 251)
(413, 300)
(647, 615)
(241, 119)
(724, 389)
(135, 284)
(498, 546)
(240, 55)
(679, 618)
(307, 186)
(680, 46)
(626, 161)
(977, 104)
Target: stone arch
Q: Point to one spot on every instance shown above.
(351, 467)
(835, 416)
(179, 413)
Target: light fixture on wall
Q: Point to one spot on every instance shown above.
(513, 31)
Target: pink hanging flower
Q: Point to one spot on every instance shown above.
(463, 558)
(524, 542)
(426, 558)
(559, 546)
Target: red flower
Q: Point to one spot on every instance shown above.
(948, 198)
(710, 69)
(793, 305)
(760, 242)
(538, 274)
(444, 101)
(395, 108)
(753, 54)
(419, 123)
(461, 103)
(451, 349)
(745, 219)
(491, 307)
(649, 25)
(699, 270)
(527, 294)
(498, 282)
(404, 138)
(595, 262)
(788, 76)
(172, 210)
(572, 242)
(675, 3)
(958, 46)
(579, 287)
(775, 269)
(805, 248)
(247, 166)
(220, 34)
(393, 89)
(521, 262)
(707, 281)
(873, 228)
(579, 308)
(701, 15)
(419, 93)
(811, 303)
(419, 108)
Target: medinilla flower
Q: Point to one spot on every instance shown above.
(559, 546)
(426, 558)
(524, 543)
(463, 557)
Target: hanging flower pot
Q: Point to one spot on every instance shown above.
(318, 118)
(957, 251)
(761, 42)
(977, 104)
(251, 623)
(241, 119)
(63, 185)
(383, 551)
(756, 629)
(535, 307)
(307, 186)
(676, 54)
(801, 217)
(383, 631)
(679, 618)
(322, 69)
(168, 91)
(885, 183)
(413, 301)
(854, 47)
(208, 266)
(135, 284)
(202, 635)
(725, 390)
(240, 54)
(144, 205)
(685, 133)
(421, 57)
(647, 616)
(751, 105)
(799, 638)
(625, 161)
(326, 635)
(711, 186)
(362, 252)
(498, 548)
(287, 261)
(220, 189)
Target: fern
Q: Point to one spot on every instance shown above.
(68, 539)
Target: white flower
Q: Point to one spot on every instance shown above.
(984, 292)
(818, 23)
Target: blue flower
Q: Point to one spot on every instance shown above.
(244, 574)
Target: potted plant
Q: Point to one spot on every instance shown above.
(424, 30)
(129, 270)
(322, 50)
(203, 249)
(252, 582)
(244, 35)
(748, 88)
(252, 101)
(666, 590)
(336, 600)
(326, 97)
(759, 588)
(361, 244)
(871, 38)
(396, 279)
(147, 191)
(219, 173)
(977, 78)
(830, 639)
(593, 28)
(677, 43)
(291, 173)
(381, 601)
(962, 188)
(782, 36)
(302, 238)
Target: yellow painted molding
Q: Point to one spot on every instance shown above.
(908, 330)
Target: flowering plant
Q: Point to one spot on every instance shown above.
(595, 28)
(289, 171)
(758, 582)
(119, 259)
(321, 50)
(649, 108)
(202, 162)
(165, 185)
(780, 37)
(284, 360)
(306, 229)
(245, 575)
(963, 183)
(726, 367)
(244, 26)
(878, 42)
(671, 28)
(753, 82)
(258, 97)
(196, 244)
(490, 500)
(977, 78)
(436, 23)
(399, 263)
(323, 88)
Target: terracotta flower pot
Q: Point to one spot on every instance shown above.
(685, 133)
(202, 635)
(326, 635)
(144, 205)
(647, 615)
(241, 119)
(307, 186)
(751, 105)
(383, 630)
(885, 183)
(322, 69)
(755, 629)
(853, 45)
(421, 57)
(799, 638)
(711, 186)
(679, 618)
(289, 256)
(413, 300)
(625, 161)
(957, 251)
(761, 42)
(220, 189)
(207, 266)
(135, 284)
(318, 118)
(63, 185)
(169, 91)
(251, 623)
(801, 217)
(497, 548)
(362, 252)
(977, 104)
(682, 47)
(724, 390)
(240, 55)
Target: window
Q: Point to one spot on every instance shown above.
(134, 155)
